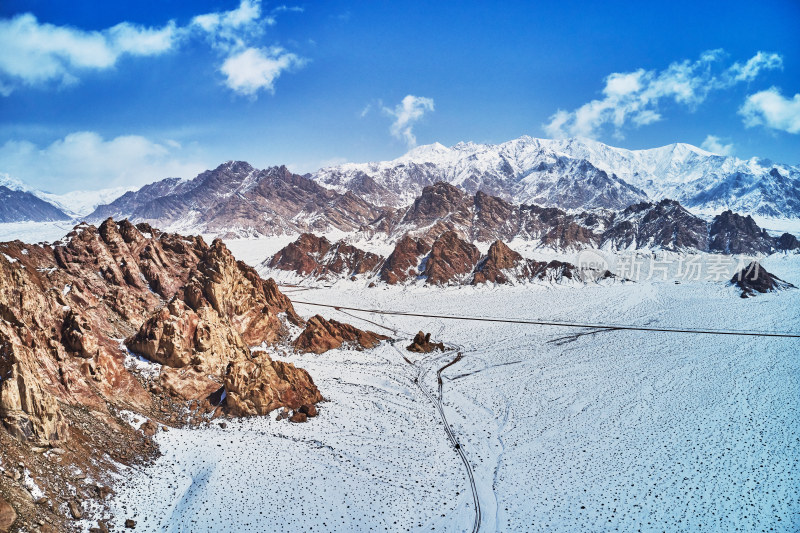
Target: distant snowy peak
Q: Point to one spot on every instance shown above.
(78, 204)
(75, 204)
(551, 171)
(12, 183)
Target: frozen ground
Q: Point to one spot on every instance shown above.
(615, 430)
(34, 232)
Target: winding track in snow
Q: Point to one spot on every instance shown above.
(423, 368)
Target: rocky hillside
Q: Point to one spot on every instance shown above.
(578, 174)
(316, 256)
(445, 260)
(120, 323)
(237, 199)
(664, 225)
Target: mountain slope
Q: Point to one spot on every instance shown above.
(579, 174)
(522, 171)
(22, 206)
(237, 199)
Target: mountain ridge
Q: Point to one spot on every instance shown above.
(529, 169)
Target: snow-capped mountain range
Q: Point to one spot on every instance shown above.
(564, 193)
(578, 173)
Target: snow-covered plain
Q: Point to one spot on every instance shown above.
(616, 430)
(34, 232)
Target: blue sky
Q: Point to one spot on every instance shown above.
(101, 94)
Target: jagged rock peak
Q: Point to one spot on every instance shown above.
(322, 335)
(451, 259)
(312, 255)
(754, 279)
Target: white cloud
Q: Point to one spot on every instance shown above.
(406, 113)
(715, 145)
(633, 98)
(34, 53)
(84, 160)
(228, 30)
(771, 109)
(760, 61)
(247, 69)
(254, 69)
(289, 9)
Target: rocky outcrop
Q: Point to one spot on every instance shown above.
(178, 336)
(422, 344)
(189, 383)
(495, 267)
(258, 385)
(236, 293)
(28, 410)
(208, 327)
(66, 379)
(322, 335)
(448, 260)
(451, 259)
(402, 263)
(755, 279)
(7, 515)
(503, 265)
(788, 242)
(731, 233)
(316, 256)
(665, 225)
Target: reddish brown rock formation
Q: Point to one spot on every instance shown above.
(302, 256)
(29, 412)
(178, 336)
(63, 376)
(237, 293)
(312, 255)
(298, 417)
(257, 385)
(188, 383)
(422, 344)
(309, 410)
(503, 265)
(451, 259)
(228, 308)
(401, 265)
(7, 515)
(322, 335)
(493, 268)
